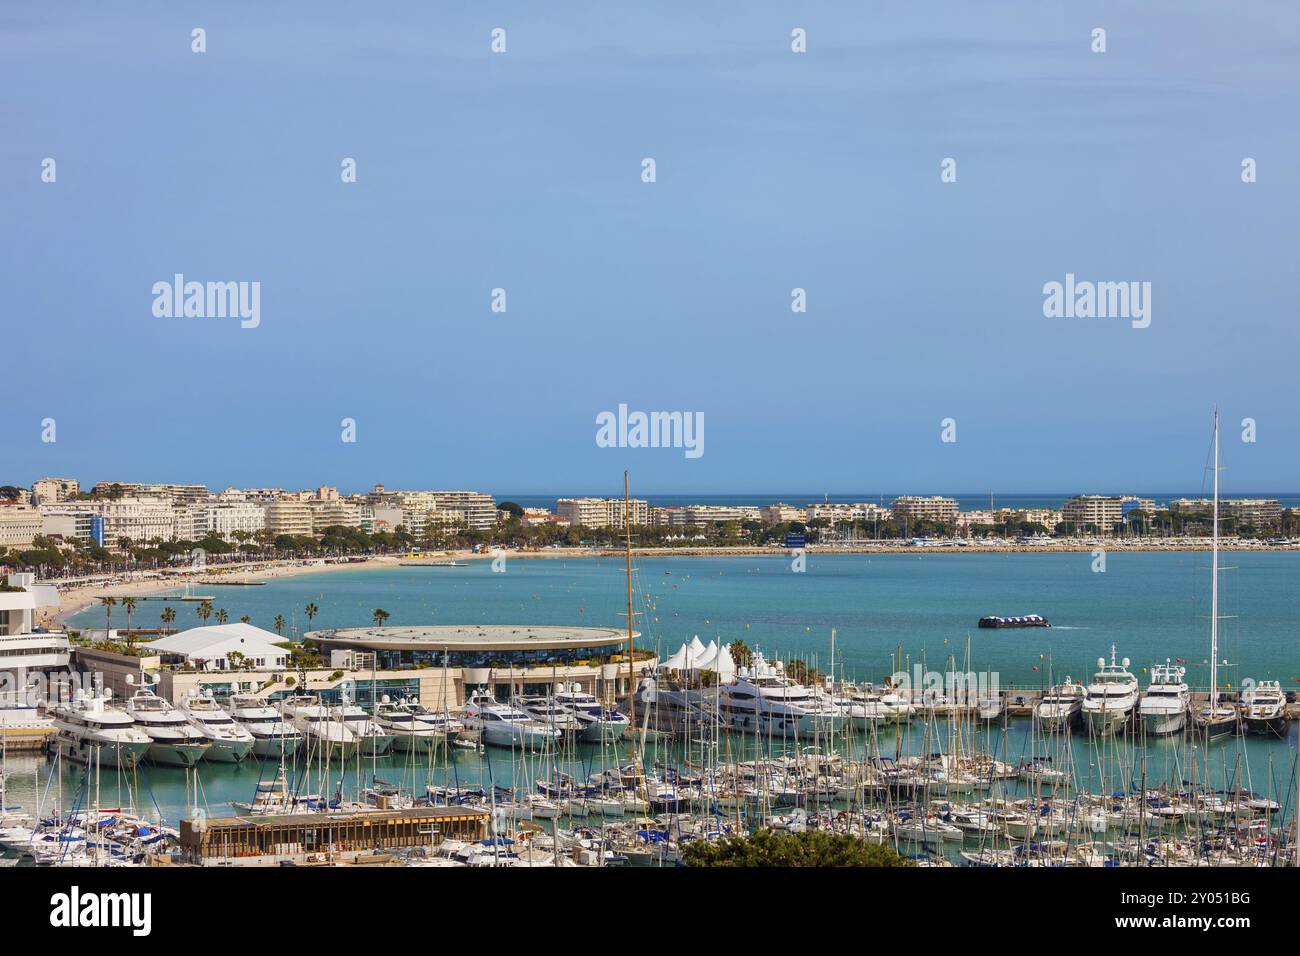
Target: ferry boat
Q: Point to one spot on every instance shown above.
(1027, 620)
(1164, 706)
(1112, 696)
(174, 741)
(273, 736)
(229, 742)
(1060, 708)
(1263, 708)
(763, 699)
(503, 725)
(89, 729)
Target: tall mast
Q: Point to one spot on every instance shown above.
(1214, 579)
(627, 529)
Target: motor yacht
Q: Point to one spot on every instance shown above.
(229, 742)
(761, 699)
(372, 740)
(504, 725)
(1263, 708)
(1112, 696)
(91, 730)
(1163, 707)
(273, 736)
(174, 741)
(550, 712)
(324, 730)
(598, 721)
(1060, 707)
(415, 728)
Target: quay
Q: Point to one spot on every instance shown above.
(170, 597)
(319, 837)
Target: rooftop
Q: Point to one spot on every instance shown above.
(473, 636)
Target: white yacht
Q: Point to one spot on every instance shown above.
(273, 736)
(89, 730)
(174, 741)
(415, 728)
(229, 742)
(1163, 707)
(1060, 707)
(598, 721)
(762, 699)
(322, 728)
(1263, 708)
(550, 712)
(372, 740)
(861, 709)
(1112, 696)
(503, 725)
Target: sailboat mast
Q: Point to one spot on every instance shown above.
(627, 529)
(1214, 579)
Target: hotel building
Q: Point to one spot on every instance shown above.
(288, 517)
(601, 512)
(19, 525)
(933, 508)
(55, 489)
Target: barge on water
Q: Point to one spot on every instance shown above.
(1026, 620)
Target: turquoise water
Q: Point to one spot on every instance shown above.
(1151, 605)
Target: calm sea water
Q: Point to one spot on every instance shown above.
(1152, 606)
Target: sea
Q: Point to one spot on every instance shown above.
(874, 610)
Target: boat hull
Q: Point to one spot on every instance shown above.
(1164, 724)
(176, 754)
(276, 746)
(107, 754)
(1102, 722)
(228, 751)
(1266, 726)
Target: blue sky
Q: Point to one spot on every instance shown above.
(775, 171)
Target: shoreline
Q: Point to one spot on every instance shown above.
(84, 594)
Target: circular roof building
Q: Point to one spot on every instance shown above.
(477, 645)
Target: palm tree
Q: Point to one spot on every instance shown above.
(129, 603)
(246, 619)
(279, 624)
(380, 616)
(167, 615)
(204, 611)
(311, 610)
(109, 603)
(222, 616)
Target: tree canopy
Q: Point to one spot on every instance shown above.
(812, 848)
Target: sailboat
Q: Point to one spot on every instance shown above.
(1215, 720)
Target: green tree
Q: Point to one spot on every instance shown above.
(109, 603)
(812, 848)
(279, 624)
(167, 615)
(204, 611)
(222, 616)
(311, 610)
(380, 616)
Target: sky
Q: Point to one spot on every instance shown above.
(774, 170)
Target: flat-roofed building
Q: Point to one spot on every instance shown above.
(326, 513)
(710, 514)
(68, 521)
(601, 512)
(52, 490)
(1100, 511)
(1254, 511)
(168, 492)
(925, 508)
(288, 517)
(780, 513)
(20, 525)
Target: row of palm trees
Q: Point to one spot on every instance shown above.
(205, 610)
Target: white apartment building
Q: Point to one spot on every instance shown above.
(477, 510)
(857, 511)
(932, 508)
(1102, 511)
(602, 512)
(52, 490)
(68, 521)
(708, 514)
(288, 517)
(168, 492)
(1256, 511)
(19, 525)
(136, 519)
(326, 513)
(224, 518)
